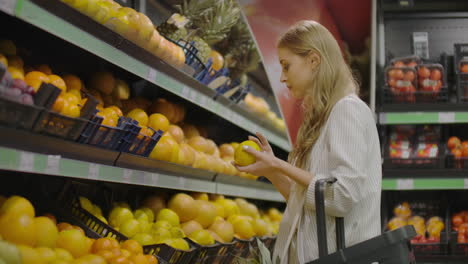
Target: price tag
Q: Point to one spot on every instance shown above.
(127, 175)
(154, 178)
(26, 161)
(405, 184)
(182, 182)
(448, 117)
(465, 184)
(93, 172)
(53, 163)
(8, 6)
(151, 74)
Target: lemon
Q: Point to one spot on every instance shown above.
(202, 237)
(160, 234)
(118, 215)
(243, 158)
(130, 227)
(177, 232)
(162, 224)
(86, 204)
(143, 239)
(140, 215)
(168, 215)
(177, 243)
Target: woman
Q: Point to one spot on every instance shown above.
(338, 138)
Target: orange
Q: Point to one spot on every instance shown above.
(58, 82)
(166, 149)
(139, 259)
(119, 260)
(145, 131)
(218, 60)
(93, 259)
(46, 254)
(74, 242)
(35, 79)
(51, 217)
(64, 226)
(151, 259)
(110, 112)
(15, 61)
(162, 106)
(102, 244)
(117, 110)
(243, 158)
(176, 132)
(15, 72)
(72, 82)
(3, 60)
(158, 122)
(106, 254)
(71, 98)
(139, 115)
(190, 131)
(77, 94)
(58, 104)
(79, 229)
(71, 110)
(198, 143)
(18, 229)
(132, 246)
(47, 231)
(103, 82)
(44, 68)
(17, 205)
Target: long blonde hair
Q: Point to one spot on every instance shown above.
(333, 80)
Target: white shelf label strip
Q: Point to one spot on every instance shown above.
(8, 6)
(405, 184)
(446, 117)
(26, 161)
(53, 164)
(465, 184)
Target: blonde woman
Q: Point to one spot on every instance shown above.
(338, 138)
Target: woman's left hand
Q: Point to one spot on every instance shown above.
(266, 162)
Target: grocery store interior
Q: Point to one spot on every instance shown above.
(120, 121)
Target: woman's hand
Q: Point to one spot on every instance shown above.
(266, 162)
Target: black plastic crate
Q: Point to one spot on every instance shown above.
(269, 242)
(137, 143)
(456, 162)
(207, 254)
(432, 249)
(58, 125)
(18, 115)
(239, 249)
(97, 134)
(459, 249)
(170, 254)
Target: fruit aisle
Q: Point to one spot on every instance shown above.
(118, 136)
(422, 118)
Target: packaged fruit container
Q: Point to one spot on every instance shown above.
(431, 83)
(457, 153)
(461, 58)
(407, 61)
(401, 83)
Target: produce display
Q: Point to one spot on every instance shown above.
(410, 80)
(30, 239)
(204, 219)
(428, 229)
(414, 145)
(200, 217)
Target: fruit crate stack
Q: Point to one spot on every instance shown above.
(457, 153)
(410, 80)
(410, 146)
(187, 228)
(459, 234)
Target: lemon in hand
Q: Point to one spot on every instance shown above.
(241, 157)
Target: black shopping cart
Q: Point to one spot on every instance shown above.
(389, 248)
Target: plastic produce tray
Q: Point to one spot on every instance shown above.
(170, 254)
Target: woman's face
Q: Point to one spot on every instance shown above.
(297, 71)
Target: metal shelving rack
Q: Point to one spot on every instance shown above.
(393, 24)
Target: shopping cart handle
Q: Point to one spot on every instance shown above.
(321, 225)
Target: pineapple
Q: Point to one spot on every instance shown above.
(175, 27)
(204, 50)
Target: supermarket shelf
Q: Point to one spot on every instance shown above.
(110, 46)
(442, 259)
(55, 165)
(394, 118)
(34, 153)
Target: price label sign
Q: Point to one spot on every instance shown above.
(448, 117)
(151, 74)
(53, 163)
(26, 161)
(405, 184)
(8, 6)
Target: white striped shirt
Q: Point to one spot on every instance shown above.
(349, 150)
